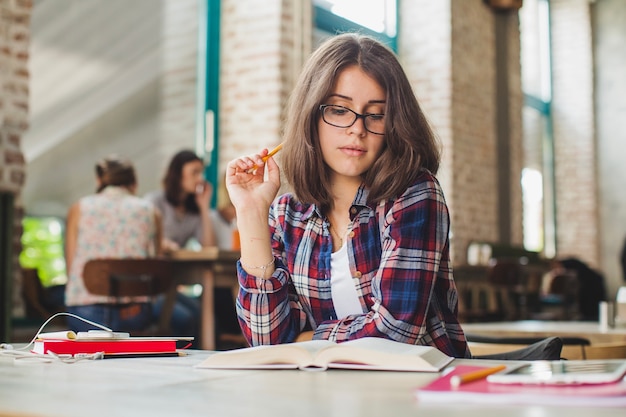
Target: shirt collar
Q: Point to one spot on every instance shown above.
(115, 190)
(359, 202)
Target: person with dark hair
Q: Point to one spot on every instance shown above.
(361, 246)
(591, 287)
(113, 223)
(184, 203)
(184, 206)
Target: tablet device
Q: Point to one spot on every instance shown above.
(573, 372)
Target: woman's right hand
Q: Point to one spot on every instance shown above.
(247, 185)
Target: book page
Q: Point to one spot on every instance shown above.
(383, 354)
(285, 356)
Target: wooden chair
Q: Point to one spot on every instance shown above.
(615, 350)
(33, 295)
(133, 278)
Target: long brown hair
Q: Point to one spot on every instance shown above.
(410, 144)
(173, 178)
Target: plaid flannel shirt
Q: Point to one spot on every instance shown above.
(399, 259)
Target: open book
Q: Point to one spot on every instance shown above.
(369, 353)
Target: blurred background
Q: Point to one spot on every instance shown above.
(525, 96)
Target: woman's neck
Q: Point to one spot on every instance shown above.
(343, 190)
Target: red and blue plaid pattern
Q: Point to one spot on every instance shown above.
(399, 258)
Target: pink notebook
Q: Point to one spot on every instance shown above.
(484, 392)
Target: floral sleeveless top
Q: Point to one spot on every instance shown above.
(112, 224)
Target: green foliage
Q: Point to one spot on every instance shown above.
(42, 243)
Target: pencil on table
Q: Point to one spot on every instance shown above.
(266, 157)
(457, 380)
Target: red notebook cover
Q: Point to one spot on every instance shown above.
(130, 345)
(483, 392)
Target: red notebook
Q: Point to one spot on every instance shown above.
(129, 345)
(483, 392)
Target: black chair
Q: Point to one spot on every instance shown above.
(522, 348)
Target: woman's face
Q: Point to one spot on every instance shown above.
(191, 176)
(351, 151)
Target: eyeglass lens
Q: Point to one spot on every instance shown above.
(340, 116)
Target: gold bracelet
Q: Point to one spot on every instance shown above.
(261, 267)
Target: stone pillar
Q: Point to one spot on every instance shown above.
(14, 79)
(263, 45)
(577, 222)
(448, 48)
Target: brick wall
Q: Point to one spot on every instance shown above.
(516, 103)
(448, 50)
(574, 131)
(424, 49)
(14, 76)
(251, 93)
(475, 164)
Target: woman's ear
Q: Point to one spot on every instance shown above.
(99, 184)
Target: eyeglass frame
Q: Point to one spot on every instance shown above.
(358, 116)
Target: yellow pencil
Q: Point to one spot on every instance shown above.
(266, 157)
(457, 380)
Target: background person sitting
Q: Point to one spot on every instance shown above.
(184, 205)
(580, 284)
(113, 223)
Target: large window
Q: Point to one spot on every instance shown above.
(377, 18)
(538, 171)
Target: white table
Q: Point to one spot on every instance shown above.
(172, 387)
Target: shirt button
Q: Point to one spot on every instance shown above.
(353, 210)
(357, 274)
(351, 234)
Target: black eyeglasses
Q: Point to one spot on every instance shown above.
(340, 116)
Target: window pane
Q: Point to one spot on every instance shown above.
(535, 49)
(377, 15)
(532, 179)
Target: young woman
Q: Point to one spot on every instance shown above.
(113, 223)
(184, 203)
(184, 206)
(360, 248)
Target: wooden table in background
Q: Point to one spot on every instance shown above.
(539, 328)
(210, 267)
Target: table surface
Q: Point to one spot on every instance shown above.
(172, 386)
(211, 267)
(539, 328)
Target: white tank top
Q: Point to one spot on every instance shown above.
(343, 290)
